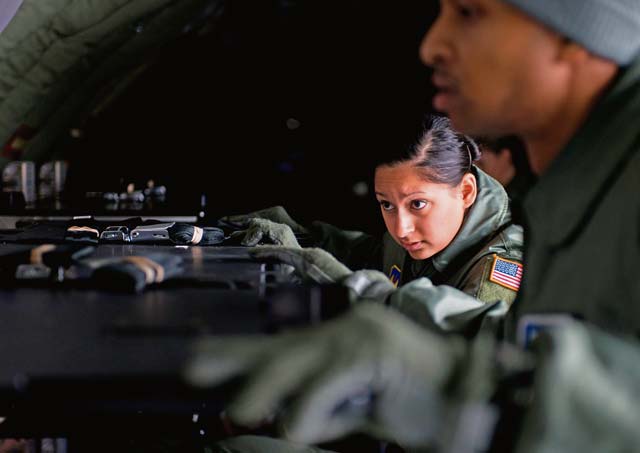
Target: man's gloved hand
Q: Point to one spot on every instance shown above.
(312, 264)
(371, 370)
(262, 230)
(276, 214)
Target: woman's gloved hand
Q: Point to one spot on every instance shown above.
(312, 264)
(260, 231)
(320, 266)
(371, 370)
(368, 285)
(276, 214)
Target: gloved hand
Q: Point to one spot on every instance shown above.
(371, 370)
(368, 285)
(312, 264)
(276, 214)
(261, 230)
(321, 267)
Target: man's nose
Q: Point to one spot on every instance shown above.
(433, 48)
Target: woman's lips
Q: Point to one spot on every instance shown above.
(412, 246)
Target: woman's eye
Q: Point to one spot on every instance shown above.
(386, 205)
(418, 204)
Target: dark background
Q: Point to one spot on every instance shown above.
(210, 115)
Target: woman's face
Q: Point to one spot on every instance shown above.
(422, 216)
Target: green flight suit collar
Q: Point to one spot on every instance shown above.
(485, 217)
(564, 197)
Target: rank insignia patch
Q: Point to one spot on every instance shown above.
(506, 273)
(395, 275)
(532, 325)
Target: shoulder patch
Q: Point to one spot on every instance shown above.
(395, 275)
(506, 273)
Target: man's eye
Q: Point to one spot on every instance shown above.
(418, 204)
(466, 11)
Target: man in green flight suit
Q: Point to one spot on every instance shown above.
(564, 76)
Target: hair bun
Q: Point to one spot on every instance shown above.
(472, 147)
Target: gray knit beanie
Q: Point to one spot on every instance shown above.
(608, 28)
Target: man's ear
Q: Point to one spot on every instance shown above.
(468, 189)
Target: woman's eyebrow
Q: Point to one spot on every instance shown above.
(405, 195)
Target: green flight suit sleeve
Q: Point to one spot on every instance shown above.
(586, 393)
(445, 308)
(477, 301)
(355, 249)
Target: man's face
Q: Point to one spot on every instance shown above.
(497, 71)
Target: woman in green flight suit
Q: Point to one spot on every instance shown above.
(446, 220)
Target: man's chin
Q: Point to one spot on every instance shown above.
(465, 123)
(476, 124)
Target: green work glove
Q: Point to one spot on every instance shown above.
(276, 214)
(311, 264)
(320, 266)
(371, 370)
(368, 285)
(261, 230)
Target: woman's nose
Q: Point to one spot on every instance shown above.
(404, 226)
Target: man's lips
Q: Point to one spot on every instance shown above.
(446, 91)
(443, 100)
(443, 81)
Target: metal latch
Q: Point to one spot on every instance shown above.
(152, 233)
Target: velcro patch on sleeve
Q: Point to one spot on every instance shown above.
(395, 275)
(506, 273)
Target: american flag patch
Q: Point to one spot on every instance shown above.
(506, 273)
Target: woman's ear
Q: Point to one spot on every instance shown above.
(468, 189)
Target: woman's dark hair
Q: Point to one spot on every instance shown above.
(443, 154)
